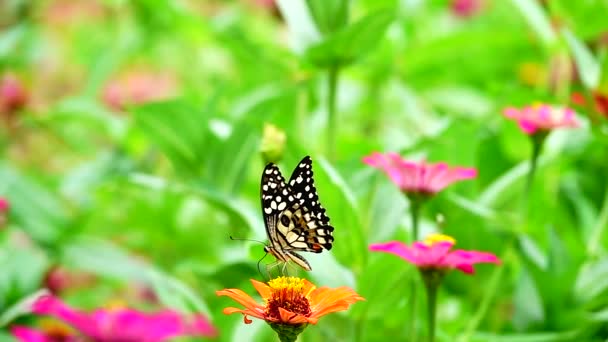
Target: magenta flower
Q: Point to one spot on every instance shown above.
(435, 254)
(541, 118)
(25, 334)
(3, 205)
(466, 8)
(418, 178)
(125, 325)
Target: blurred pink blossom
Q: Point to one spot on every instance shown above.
(13, 94)
(25, 334)
(435, 253)
(59, 279)
(137, 88)
(541, 118)
(4, 206)
(418, 177)
(466, 8)
(123, 324)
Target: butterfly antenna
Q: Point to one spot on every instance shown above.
(242, 239)
(259, 262)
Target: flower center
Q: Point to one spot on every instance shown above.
(435, 238)
(287, 293)
(56, 331)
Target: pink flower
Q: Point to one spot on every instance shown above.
(3, 205)
(541, 118)
(418, 178)
(435, 254)
(125, 325)
(138, 87)
(465, 8)
(25, 334)
(13, 95)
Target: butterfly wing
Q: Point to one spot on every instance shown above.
(274, 196)
(317, 228)
(293, 216)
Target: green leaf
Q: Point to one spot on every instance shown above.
(21, 307)
(529, 308)
(350, 247)
(179, 129)
(33, 208)
(329, 15)
(351, 43)
(586, 64)
(537, 19)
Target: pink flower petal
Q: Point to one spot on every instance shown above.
(532, 119)
(419, 178)
(25, 334)
(125, 324)
(437, 255)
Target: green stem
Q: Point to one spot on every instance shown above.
(413, 310)
(598, 229)
(431, 282)
(415, 212)
(332, 78)
(301, 110)
(489, 294)
(537, 144)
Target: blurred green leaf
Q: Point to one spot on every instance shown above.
(537, 19)
(349, 44)
(179, 129)
(329, 15)
(587, 66)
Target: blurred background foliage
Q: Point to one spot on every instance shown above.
(131, 136)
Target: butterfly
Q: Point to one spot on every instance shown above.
(295, 220)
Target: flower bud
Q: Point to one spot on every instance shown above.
(273, 143)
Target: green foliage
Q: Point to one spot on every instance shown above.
(137, 156)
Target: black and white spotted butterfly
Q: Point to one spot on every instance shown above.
(295, 220)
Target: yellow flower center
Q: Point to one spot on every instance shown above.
(55, 329)
(435, 238)
(115, 304)
(288, 294)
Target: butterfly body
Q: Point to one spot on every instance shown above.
(295, 220)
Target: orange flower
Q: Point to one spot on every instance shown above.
(291, 301)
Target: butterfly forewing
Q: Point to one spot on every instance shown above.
(302, 185)
(294, 218)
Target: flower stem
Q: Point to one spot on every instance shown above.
(432, 279)
(537, 144)
(415, 212)
(413, 310)
(332, 78)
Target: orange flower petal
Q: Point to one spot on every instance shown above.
(308, 288)
(264, 290)
(231, 310)
(245, 312)
(241, 297)
(291, 318)
(325, 300)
